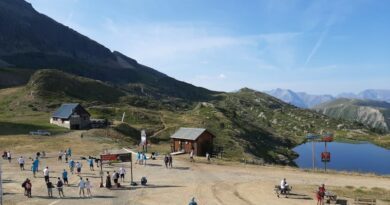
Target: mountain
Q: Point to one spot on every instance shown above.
(299, 99)
(46, 64)
(375, 114)
(34, 41)
(288, 96)
(372, 94)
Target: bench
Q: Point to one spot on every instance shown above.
(363, 201)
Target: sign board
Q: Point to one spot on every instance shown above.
(125, 157)
(108, 157)
(325, 156)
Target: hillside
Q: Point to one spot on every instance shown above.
(35, 41)
(375, 114)
(248, 124)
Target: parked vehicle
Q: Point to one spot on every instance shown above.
(40, 132)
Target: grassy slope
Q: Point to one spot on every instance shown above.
(247, 124)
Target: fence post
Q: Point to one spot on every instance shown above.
(1, 185)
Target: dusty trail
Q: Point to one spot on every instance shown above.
(210, 184)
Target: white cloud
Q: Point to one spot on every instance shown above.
(221, 76)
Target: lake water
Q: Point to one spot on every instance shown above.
(362, 157)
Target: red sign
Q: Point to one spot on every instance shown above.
(325, 156)
(109, 157)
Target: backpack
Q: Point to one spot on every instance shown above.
(117, 175)
(59, 184)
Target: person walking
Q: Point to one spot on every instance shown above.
(122, 173)
(90, 162)
(108, 180)
(60, 187)
(35, 165)
(137, 158)
(65, 177)
(49, 188)
(28, 187)
(71, 166)
(24, 186)
(69, 151)
(88, 186)
(115, 178)
(60, 155)
(208, 157)
(46, 174)
(9, 156)
(170, 159)
(21, 163)
(144, 158)
(65, 156)
(166, 160)
(78, 167)
(192, 156)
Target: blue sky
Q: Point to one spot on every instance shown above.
(321, 46)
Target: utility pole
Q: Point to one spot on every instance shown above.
(1, 185)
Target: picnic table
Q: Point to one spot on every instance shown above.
(330, 197)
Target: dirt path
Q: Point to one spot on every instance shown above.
(164, 126)
(208, 183)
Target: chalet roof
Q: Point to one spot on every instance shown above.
(65, 111)
(188, 133)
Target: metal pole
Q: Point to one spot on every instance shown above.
(326, 150)
(1, 185)
(131, 168)
(313, 153)
(101, 173)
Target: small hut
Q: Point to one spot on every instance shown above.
(198, 139)
(72, 116)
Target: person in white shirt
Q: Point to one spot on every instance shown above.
(78, 167)
(122, 172)
(283, 186)
(21, 163)
(46, 174)
(81, 187)
(9, 156)
(88, 186)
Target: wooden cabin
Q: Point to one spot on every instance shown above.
(198, 139)
(72, 116)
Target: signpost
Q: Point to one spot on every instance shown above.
(325, 156)
(313, 138)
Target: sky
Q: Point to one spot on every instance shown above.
(319, 46)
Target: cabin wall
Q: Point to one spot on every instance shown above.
(203, 144)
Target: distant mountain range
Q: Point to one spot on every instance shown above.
(304, 100)
(375, 114)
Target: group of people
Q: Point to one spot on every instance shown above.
(116, 177)
(63, 179)
(141, 158)
(168, 160)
